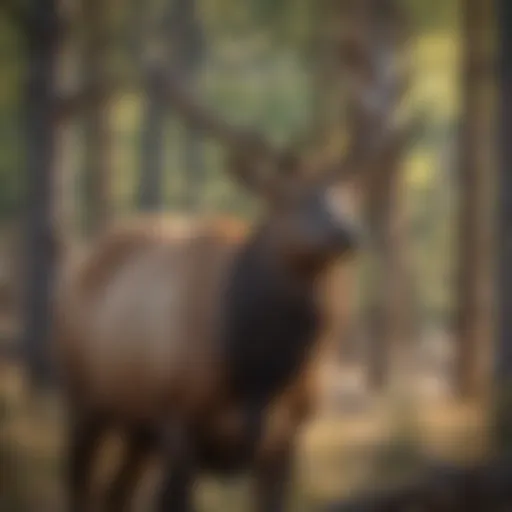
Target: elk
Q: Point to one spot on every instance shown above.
(198, 337)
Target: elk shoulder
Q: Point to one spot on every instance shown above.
(136, 314)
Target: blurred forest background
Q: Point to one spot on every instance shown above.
(260, 63)
(120, 147)
(254, 62)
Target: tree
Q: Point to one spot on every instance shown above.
(97, 133)
(503, 357)
(188, 40)
(373, 37)
(474, 301)
(154, 36)
(44, 26)
(42, 32)
(175, 37)
(66, 83)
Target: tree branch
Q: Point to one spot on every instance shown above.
(255, 156)
(252, 157)
(202, 119)
(88, 96)
(76, 103)
(366, 157)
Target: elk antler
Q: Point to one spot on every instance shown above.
(376, 78)
(253, 158)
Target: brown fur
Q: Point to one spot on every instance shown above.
(200, 250)
(179, 259)
(137, 316)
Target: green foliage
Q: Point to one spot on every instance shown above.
(254, 71)
(433, 15)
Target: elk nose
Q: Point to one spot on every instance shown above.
(344, 220)
(351, 237)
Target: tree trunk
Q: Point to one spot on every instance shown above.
(42, 45)
(372, 37)
(377, 326)
(97, 132)
(503, 357)
(194, 167)
(151, 167)
(178, 35)
(474, 314)
(156, 33)
(67, 134)
(391, 311)
(189, 51)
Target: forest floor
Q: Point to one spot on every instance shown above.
(356, 444)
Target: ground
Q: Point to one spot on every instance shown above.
(355, 444)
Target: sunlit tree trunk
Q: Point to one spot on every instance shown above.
(376, 320)
(474, 315)
(373, 37)
(391, 328)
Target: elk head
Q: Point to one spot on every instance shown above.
(310, 217)
(312, 214)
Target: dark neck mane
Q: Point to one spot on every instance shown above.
(270, 321)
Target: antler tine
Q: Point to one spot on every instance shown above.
(245, 144)
(198, 116)
(361, 156)
(375, 82)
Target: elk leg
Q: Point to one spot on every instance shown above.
(179, 472)
(272, 480)
(140, 442)
(254, 428)
(84, 437)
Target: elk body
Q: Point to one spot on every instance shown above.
(197, 338)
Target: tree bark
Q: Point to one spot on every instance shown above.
(503, 356)
(67, 136)
(194, 168)
(97, 132)
(389, 307)
(189, 51)
(474, 301)
(42, 45)
(180, 40)
(151, 174)
(373, 37)
(377, 319)
(151, 168)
